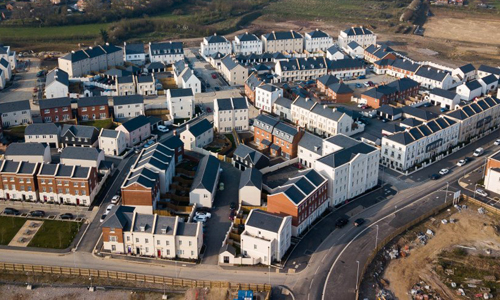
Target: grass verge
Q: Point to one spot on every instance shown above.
(9, 226)
(55, 234)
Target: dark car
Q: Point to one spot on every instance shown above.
(232, 215)
(66, 216)
(341, 223)
(435, 176)
(217, 88)
(359, 222)
(232, 205)
(37, 213)
(11, 211)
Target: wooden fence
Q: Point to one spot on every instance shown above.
(483, 205)
(177, 282)
(394, 234)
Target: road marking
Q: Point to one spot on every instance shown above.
(317, 270)
(310, 286)
(324, 257)
(341, 236)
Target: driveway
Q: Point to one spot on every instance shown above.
(22, 87)
(216, 228)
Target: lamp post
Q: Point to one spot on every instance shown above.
(357, 276)
(446, 196)
(269, 263)
(376, 237)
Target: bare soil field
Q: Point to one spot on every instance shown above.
(471, 236)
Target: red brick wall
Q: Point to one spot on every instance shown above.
(56, 112)
(93, 110)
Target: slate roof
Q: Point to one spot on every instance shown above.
(4, 62)
(253, 81)
(379, 52)
(488, 69)
(81, 153)
(431, 73)
(315, 34)
(282, 35)
(328, 79)
(312, 143)
(228, 62)
(489, 79)
(206, 174)
(157, 65)
(114, 72)
(269, 87)
(265, 122)
(346, 63)
(119, 217)
(26, 149)
(7, 107)
(54, 103)
(264, 220)
(411, 122)
(444, 93)
(214, 39)
(340, 88)
(145, 79)
(304, 103)
(57, 75)
(126, 100)
(353, 45)
(285, 132)
(166, 48)
(41, 129)
(357, 31)
(309, 63)
(342, 141)
(81, 131)
(419, 113)
(333, 49)
(187, 229)
(299, 187)
(165, 225)
(403, 84)
(467, 68)
(125, 79)
(188, 74)
(108, 133)
(224, 104)
(345, 155)
(240, 103)
(406, 65)
(390, 110)
(95, 51)
(335, 113)
(175, 93)
(284, 102)
(92, 101)
(258, 159)
(143, 223)
(142, 176)
(134, 48)
(473, 85)
(200, 127)
(380, 91)
(247, 37)
(251, 177)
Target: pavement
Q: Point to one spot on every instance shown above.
(23, 84)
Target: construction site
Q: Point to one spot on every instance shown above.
(452, 255)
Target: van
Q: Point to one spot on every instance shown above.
(478, 152)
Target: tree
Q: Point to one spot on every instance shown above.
(104, 35)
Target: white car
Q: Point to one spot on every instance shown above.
(366, 84)
(478, 152)
(497, 142)
(198, 219)
(444, 171)
(203, 214)
(60, 150)
(115, 199)
(163, 128)
(481, 192)
(109, 207)
(461, 162)
(361, 105)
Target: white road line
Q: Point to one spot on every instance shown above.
(325, 256)
(310, 286)
(317, 270)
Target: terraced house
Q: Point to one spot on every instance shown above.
(361, 35)
(93, 59)
(215, 44)
(317, 40)
(79, 136)
(18, 180)
(56, 110)
(67, 184)
(294, 69)
(93, 108)
(167, 53)
(411, 147)
(15, 113)
(283, 41)
(247, 43)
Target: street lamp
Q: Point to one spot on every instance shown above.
(90, 278)
(446, 197)
(269, 263)
(357, 276)
(376, 238)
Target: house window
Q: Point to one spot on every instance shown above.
(137, 240)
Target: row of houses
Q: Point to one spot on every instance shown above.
(8, 61)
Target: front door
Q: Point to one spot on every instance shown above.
(129, 249)
(61, 200)
(159, 253)
(77, 201)
(24, 197)
(7, 196)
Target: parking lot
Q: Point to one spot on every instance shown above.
(204, 71)
(52, 211)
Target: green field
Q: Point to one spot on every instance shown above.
(9, 226)
(55, 234)
(46, 34)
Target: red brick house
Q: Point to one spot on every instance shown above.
(324, 81)
(339, 93)
(141, 189)
(386, 94)
(56, 110)
(93, 108)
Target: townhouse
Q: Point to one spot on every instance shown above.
(43, 133)
(324, 81)
(15, 113)
(180, 103)
(9, 55)
(231, 114)
(317, 40)
(300, 109)
(93, 108)
(146, 85)
(375, 53)
(197, 135)
(339, 93)
(174, 144)
(112, 142)
(263, 130)
(267, 237)
(346, 68)
(476, 118)
(283, 108)
(215, 44)
(18, 180)
(79, 136)
(334, 53)
(444, 98)
(470, 90)
(484, 71)
(250, 187)
(66, 184)
(361, 35)
(205, 183)
(285, 140)
(304, 198)
(488, 84)
(252, 82)
(430, 78)
(266, 95)
(295, 69)
(398, 90)
(56, 110)
(29, 152)
(350, 166)
(166, 53)
(83, 157)
(399, 68)
(56, 84)
(127, 231)
(492, 173)
(93, 59)
(247, 43)
(233, 72)
(185, 77)
(310, 149)
(125, 85)
(134, 53)
(410, 148)
(283, 41)
(136, 130)
(141, 190)
(128, 106)
(245, 158)
(465, 73)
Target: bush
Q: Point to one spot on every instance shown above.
(460, 252)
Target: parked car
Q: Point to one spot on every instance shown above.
(360, 105)
(203, 214)
(202, 219)
(362, 77)
(37, 213)
(359, 85)
(232, 205)
(359, 222)
(102, 218)
(214, 76)
(115, 199)
(11, 211)
(163, 128)
(217, 88)
(461, 162)
(443, 109)
(428, 104)
(481, 192)
(444, 171)
(435, 176)
(366, 84)
(341, 222)
(209, 110)
(66, 216)
(497, 142)
(109, 207)
(148, 144)
(478, 152)
(232, 215)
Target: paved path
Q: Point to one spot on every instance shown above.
(27, 231)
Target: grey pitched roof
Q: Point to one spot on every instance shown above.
(467, 68)
(10, 166)
(48, 169)
(240, 103)
(253, 81)
(283, 35)
(166, 48)
(81, 131)
(145, 79)
(406, 65)
(403, 84)
(473, 85)
(330, 113)
(419, 113)
(54, 103)
(108, 133)
(328, 79)
(251, 177)
(431, 73)
(488, 69)
(57, 75)
(134, 48)
(157, 65)
(304, 103)
(264, 220)
(144, 177)
(284, 102)
(353, 45)
(224, 104)
(340, 88)
(119, 217)
(443, 93)
(309, 63)
(390, 110)
(228, 62)
(214, 39)
(187, 229)
(7, 107)
(269, 87)
(41, 129)
(114, 72)
(228, 248)
(297, 188)
(247, 37)
(333, 49)
(380, 91)
(175, 93)
(285, 131)
(312, 143)
(318, 34)
(489, 79)
(126, 100)
(265, 122)
(4, 62)
(379, 52)
(92, 101)
(342, 141)
(200, 127)
(346, 63)
(411, 122)
(81, 153)
(165, 225)
(188, 74)
(206, 174)
(143, 221)
(258, 159)
(343, 156)
(26, 149)
(125, 79)
(357, 31)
